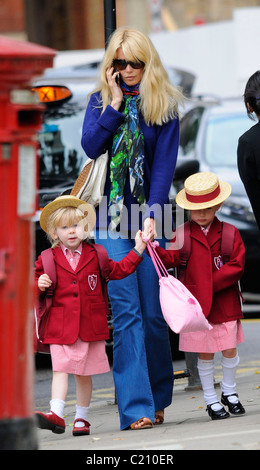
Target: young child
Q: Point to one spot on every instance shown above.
(215, 285)
(77, 325)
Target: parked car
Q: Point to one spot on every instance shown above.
(209, 136)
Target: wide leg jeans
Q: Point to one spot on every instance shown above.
(142, 361)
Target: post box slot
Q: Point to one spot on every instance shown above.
(29, 118)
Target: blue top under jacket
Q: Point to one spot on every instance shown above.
(161, 148)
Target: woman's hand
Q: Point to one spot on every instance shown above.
(117, 94)
(44, 282)
(149, 229)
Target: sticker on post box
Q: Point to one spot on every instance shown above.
(26, 180)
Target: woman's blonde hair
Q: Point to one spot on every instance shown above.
(64, 215)
(159, 100)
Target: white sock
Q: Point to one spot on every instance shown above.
(57, 406)
(229, 367)
(81, 413)
(206, 373)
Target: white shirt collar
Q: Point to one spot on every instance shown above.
(205, 230)
(65, 249)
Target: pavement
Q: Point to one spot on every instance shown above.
(187, 425)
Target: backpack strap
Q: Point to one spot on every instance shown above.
(185, 250)
(104, 268)
(103, 260)
(50, 269)
(41, 314)
(227, 241)
(227, 244)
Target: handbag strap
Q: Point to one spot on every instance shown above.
(158, 264)
(82, 179)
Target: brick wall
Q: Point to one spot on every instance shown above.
(188, 12)
(79, 24)
(12, 18)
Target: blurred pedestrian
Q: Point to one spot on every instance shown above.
(134, 115)
(248, 151)
(76, 327)
(215, 286)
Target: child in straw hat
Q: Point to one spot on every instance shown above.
(77, 325)
(215, 285)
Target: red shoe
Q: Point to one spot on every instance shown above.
(50, 421)
(82, 431)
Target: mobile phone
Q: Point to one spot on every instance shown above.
(117, 77)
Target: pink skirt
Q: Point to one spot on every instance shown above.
(80, 358)
(222, 336)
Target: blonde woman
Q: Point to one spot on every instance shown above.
(134, 115)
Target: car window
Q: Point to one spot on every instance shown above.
(189, 130)
(221, 138)
(61, 155)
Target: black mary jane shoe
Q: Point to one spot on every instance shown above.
(219, 414)
(234, 408)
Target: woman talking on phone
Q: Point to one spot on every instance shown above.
(134, 115)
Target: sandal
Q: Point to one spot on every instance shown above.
(159, 417)
(143, 423)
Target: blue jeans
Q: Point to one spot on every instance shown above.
(142, 361)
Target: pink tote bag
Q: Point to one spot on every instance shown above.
(180, 309)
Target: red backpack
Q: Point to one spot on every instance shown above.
(45, 302)
(227, 243)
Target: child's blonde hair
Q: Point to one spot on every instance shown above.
(159, 100)
(67, 215)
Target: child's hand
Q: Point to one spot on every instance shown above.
(140, 245)
(44, 282)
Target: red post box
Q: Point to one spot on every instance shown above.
(20, 118)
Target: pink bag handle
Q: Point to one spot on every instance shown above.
(158, 264)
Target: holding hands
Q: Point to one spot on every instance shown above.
(141, 239)
(149, 229)
(140, 245)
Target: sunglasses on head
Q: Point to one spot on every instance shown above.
(121, 64)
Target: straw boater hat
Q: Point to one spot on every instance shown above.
(202, 190)
(68, 201)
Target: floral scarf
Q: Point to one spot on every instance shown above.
(127, 156)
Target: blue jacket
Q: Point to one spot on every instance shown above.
(161, 148)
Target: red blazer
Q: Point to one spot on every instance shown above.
(215, 287)
(78, 308)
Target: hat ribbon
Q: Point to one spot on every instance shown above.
(203, 197)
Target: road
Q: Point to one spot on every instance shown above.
(103, 385)
(187, 426)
